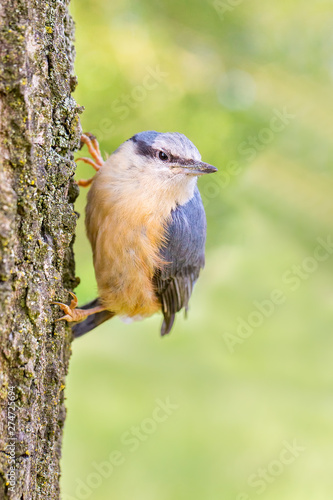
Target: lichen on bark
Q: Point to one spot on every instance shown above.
(39, 130)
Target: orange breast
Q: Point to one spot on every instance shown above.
(125, 245)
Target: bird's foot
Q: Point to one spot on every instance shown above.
(93, 147)
(72, 314)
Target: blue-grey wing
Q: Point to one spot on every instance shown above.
(184, 253)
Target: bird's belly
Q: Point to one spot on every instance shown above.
(124, 273)
(129, 293)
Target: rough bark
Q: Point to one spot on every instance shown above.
(39, 129)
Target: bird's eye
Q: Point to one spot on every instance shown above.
(163, 156)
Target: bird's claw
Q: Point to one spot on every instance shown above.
(93, 148)
(72, 314)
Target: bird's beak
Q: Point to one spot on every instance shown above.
(199, 168)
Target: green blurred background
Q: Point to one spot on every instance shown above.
(251, 85)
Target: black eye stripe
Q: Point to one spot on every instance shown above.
(143, 149)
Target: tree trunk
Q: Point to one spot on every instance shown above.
(39, 129)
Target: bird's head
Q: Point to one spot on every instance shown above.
(169, 155)
(161, 163)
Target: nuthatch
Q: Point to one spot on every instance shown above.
(147, 227)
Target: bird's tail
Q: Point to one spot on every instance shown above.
(91, 321)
